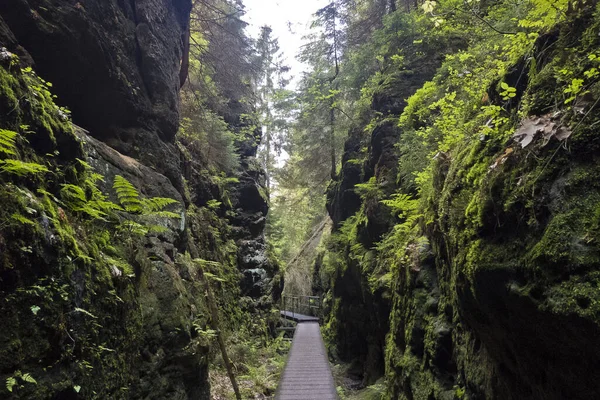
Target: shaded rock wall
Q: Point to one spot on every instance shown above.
(118, 312)
(359, 315)
(492, 292)
(90, 310)
(115, 64)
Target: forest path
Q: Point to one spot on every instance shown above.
(307, 374)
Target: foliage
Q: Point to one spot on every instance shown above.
(13, 381)
(464, 83)
(130, 199)
(15, 166)
(7, 142)
(21, 168)
(67, 291)
(127, 195)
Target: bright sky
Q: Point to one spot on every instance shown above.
(289, 19)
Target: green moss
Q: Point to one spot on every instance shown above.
(63, 309)
(512, 231)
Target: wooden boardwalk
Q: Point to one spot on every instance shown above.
(298, 317)
(307, 375)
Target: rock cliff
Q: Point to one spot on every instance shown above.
(99, 296)
(480, 284)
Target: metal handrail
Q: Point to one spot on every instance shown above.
(307, 305)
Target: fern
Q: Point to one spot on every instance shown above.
(85, 164)
(85, 312)
(28, 378)
(157, 229)
(7, 142)
(134, 228)
(21, 219)
(401, 204)
(44, 192)
(74, 197)
(11, 382)
(157, 203)
(21, 168)
(105, 205)
(153, 207)
(213, 277)
(369, 189)
(128, 195)
(129, 198)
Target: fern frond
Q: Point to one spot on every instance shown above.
(401, 204)
(95, 177)
(75, 199)
(21, 219)
(122, 265)
(127, 194)
(85, 164)
(73, 196)
(157, 229)
(7, 142)
(213, 277)
(11, 382)
(82, 311)
(106, 206)
(44, 192)
(28, 378)
(157, 203)
(20, 168)
(133, 228)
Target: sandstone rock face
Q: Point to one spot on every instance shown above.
(249, 201)
(118, 316)
(167, 291)
(362, 315)
(115, 64)
(93, 310)
(493, 292)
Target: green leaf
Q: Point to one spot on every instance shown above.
(28, 378)
(504, 85)
(89, 314)
(127, 194)
(7, 142)
(21, 219)
(35, 309)
(76, 388)
(157, 203)
(10, 383)
(20, 168)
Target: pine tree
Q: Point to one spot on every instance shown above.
(272, 99)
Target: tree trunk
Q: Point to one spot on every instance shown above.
(215, 324)
(185, 59)
(332, 138)
(268, 161)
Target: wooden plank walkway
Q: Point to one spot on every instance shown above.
(298, 317)
(307, 375)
